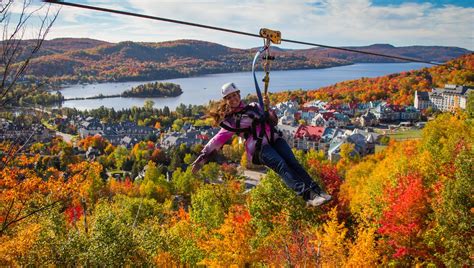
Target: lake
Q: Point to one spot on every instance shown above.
(201, 89)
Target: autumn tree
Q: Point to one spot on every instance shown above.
(404, 220)
(453, 217)
(16, 53)
(364, 250)
(331, 242)
(209, 205)
(230, 244)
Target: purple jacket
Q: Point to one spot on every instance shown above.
(245, 121)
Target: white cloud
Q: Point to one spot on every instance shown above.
(329, 22)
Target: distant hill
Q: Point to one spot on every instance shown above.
(68, 60)
(60, 45)
(426, 53)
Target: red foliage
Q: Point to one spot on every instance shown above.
(404, 219)
(150, 145)
(241, 215)
(128, 183)
(332, 182)
(73, 213)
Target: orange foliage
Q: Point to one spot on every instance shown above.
(230, 244)
(398, 89)
(289, 244)
(96, 141)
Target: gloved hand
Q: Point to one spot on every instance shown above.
(266, 101)
(197, 164)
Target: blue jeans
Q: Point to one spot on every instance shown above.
(281, 159)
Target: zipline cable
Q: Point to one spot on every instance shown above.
(232, 31)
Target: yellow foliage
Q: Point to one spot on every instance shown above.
(363, 252)
(230, 244)
(365, 182)
(331, 242)
(165, 259)
(17, 246)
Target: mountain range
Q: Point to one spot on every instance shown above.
(72, 60)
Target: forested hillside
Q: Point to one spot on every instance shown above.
(409, 205)
(64, 61)
(396, 88)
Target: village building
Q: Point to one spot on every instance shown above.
(288, 133)
(21, 133)
(443, 99)
(308, 137)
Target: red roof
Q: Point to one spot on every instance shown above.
(202, 137)
(312, 132)
(327, 115)
(309, 109)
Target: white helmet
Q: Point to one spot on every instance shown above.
(228, 89)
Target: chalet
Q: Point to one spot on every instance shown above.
(389, 113)
(125, 133)
(191, 137)
(324, 119)
(287, 119)
(410, 113)
(288, 133)
(368, 119)
(290, 107)
(308, 113)
(22, 133)
(422, 100)
(330, 119)
(317, 104)
(308, 137)
(335, 146)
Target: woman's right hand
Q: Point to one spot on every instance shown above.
(197, 164)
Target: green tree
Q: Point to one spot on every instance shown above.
(120, 155)
(177, 124)
(454, 220)
(149, 104)
(272, 198)
(470, 104)
(111, 240)
(185, 182)
(210, 204)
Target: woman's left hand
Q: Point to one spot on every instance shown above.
(266, 101)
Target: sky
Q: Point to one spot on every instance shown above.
(327, 22)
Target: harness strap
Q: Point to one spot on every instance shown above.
(252, 130)
(233, 129)
(257, 88)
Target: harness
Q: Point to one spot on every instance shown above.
(269, 37)
(252, 130)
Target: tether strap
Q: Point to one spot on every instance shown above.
(233, 129)
(257, 88)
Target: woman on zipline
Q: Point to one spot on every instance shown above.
(262, 143)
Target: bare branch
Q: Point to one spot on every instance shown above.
(5, 220)
(4, 6)
(4, 228)
(14, 46)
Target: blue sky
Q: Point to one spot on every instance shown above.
(329, 22)
(461, 3)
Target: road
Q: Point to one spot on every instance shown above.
(66, 137)
(253, 178)
(254, 175)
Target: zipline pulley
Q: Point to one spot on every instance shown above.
(273, 36)
(269, 37)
